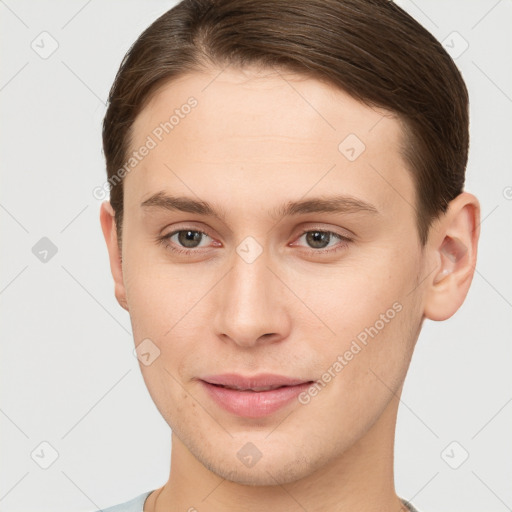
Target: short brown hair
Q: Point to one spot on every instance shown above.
(371, 49)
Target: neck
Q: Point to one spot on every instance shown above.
(361, 479)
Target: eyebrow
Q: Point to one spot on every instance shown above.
(324, 204)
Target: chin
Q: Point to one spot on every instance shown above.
(265, 473)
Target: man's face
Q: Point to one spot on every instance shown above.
(260, 293)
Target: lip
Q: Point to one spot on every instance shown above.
(249, 403)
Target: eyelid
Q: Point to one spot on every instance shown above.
(342, 232)
(186, 225)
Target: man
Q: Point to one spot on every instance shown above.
(286, 208)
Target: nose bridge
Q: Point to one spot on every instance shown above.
(249, 303)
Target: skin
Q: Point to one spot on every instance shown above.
(256, 140)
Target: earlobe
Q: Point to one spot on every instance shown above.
(108, 226)
(454, 247)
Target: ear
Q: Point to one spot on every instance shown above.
(453, 247)
(108, 226)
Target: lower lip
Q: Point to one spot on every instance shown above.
(253, 404)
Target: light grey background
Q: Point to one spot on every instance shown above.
(69, 376)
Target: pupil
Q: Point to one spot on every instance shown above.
(317, 239)
(185, 237)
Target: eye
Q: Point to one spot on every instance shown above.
(188, 241)
(319, 240)
(183, 241)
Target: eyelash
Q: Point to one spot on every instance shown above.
(344, 242)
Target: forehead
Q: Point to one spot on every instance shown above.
(253, 101)
(251, 126)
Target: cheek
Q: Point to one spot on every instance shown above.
(166, 306)
(352, 296)
(157, 294)
(368, 316)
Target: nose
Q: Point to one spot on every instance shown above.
(251, 304)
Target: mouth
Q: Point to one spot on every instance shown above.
(255, 389)
(261, 382)
(254, 397)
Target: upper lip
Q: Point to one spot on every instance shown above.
(255, 382)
